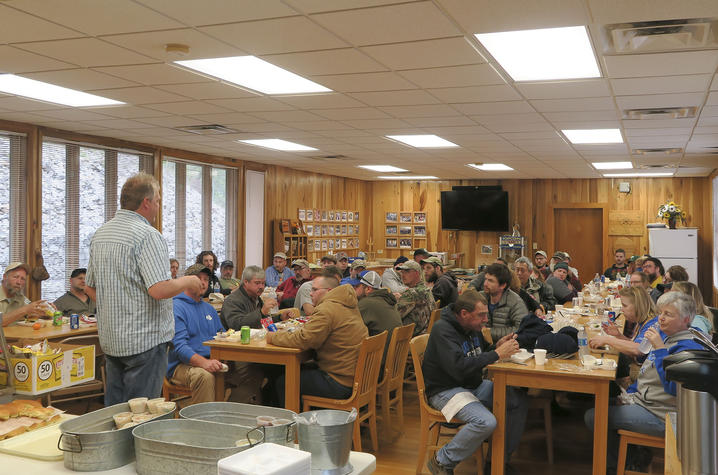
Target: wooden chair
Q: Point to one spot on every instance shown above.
(393, 381)
(363, 396)
(89, 389)
(435, 315)
(168, 389)
(635, 438)
(431, 419)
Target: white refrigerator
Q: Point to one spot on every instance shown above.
(676, 247)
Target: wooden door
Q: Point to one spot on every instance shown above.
(579, 231)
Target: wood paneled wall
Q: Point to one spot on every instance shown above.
(529, 202)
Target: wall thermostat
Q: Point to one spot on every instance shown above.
(624, 187)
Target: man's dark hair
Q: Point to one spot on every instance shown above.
(657, 262)
(468, 300)
(620, 250)
(82, 270)
(678, 273)
(501, 259)
(201, 255)
(333, 272)
(501, 272)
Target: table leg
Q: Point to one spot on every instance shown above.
(291, 385)
(218, 380)
(498, 442)
(600, 430)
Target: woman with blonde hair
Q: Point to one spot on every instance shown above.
(702, 320)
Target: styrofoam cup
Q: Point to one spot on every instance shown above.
(540, 356)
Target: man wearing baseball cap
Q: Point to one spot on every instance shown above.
(278, 272)
(391, 278)
(356, 268)
(420, 254)
(416, 303)
(76, 300)
(226, 282)
(288, 289)
(343, 263)
(445, 288)
(540, 259)
(13, 303)
(196, 321)
(562, 288)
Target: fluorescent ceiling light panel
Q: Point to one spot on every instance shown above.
(278, 144)
(612, 165)
(423, 141)
(628, 175)
(490, 167)
(383, 168)
(592, 136)
(408, 177)
(545, 54)
(43, 91)
(254, 73)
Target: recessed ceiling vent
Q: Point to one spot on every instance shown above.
(656, 151)
(658, 165)
(208, 129)
(331, 157)
(660, 113)
(663, 35)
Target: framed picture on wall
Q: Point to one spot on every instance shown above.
(309, 229)
(391, 217)
(331, 215)
(420, 217)
(405, 243)
(356, 229)
(310, 215)
(420, 230)
(337, 243)
(344, 215)
(405, 217)
(344, 243)
(356, 215)
(325, 230)
(487, 249)
(391, 229)
(391, 243)
(324, 215)
(344, 229)
(405, 230)
(331, 243)
(350, 216)
(324, 245)
(302, 214)
(317, 245)
(337, 230)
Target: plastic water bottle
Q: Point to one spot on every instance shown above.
(273, 295)
(597, 279)
(645, 346)
(582, 343)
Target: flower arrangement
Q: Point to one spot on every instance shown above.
(671, 212)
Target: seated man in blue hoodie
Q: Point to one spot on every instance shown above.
(647, 401)
(453, 367)
(195, 322)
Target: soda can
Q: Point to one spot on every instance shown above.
(57, 319)
(603, 279)
(272, 327)
(245, 335)
(612, 316)
(74, 321)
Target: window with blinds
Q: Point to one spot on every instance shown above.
(199, 210)
(80, 191)
(13, 152)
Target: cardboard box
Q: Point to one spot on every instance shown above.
(40, 374)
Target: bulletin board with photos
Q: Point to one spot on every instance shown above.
(330, 230)
(404, 229)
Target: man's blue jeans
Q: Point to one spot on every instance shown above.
(480, 422)
(139, 375)
(633, 417)
(315, 382)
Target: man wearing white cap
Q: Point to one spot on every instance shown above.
(278, 272)
(13, 303)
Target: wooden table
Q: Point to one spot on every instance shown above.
(672, 464)
(551, 377)
(51, 332)
(261, 352)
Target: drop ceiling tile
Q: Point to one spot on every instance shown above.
(658, 142)
(210, 12)
(224, 118)
(208, 90)
(705, 131)
(389, 24)
(18, 26)
(14, 60)
(495, 108)
(267, 128)
(709, 111)
(314, 125)
(171, 121)
(601, 149)
(661, 64)
(590, 124)
(139, 95)
(582, 116)
(660, 100)
(395, 98)
(287, 116)
(128, 112)
(85, 52)
(336, 61)
(17, 103)
(547, 134)
(425, 54)
(454, 131)
(454, 76)
(81, 79)
(251, 104)
(607, 12)
(661, 85)
(377, 123)
(153, 74)
(495, 93)
(433, 110)
(572, 89)
(74, 114)
(321, 101)
(571, 105)
(656, 131)
(383, 81)
(704, 121)
(353, 113)
(712, 99)
(518, 127)
(188, 107)
(529, 117)
(434, 124)
(95, 129)
(650, 124)
(289, 34)
(153, 43)
(117, 124)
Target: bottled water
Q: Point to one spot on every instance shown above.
(273, 295)
(583, 343)
(645, 346)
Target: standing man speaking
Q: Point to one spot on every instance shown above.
(129, 277)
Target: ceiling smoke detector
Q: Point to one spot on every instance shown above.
(663, 35)
(660, 113)
(207, 129)
(656, 151)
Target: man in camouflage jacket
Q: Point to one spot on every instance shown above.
(416, 303)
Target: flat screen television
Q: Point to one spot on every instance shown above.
(475, 210)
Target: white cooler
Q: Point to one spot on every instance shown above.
(266, 459)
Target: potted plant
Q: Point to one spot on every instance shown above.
(671, 212)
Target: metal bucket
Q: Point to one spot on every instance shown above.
(329, 441)
(245, 415)
(91, 442)
(188, 447)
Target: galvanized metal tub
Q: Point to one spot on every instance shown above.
(329, 441)
(187, 446)
(245, 415)
(91, 442)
